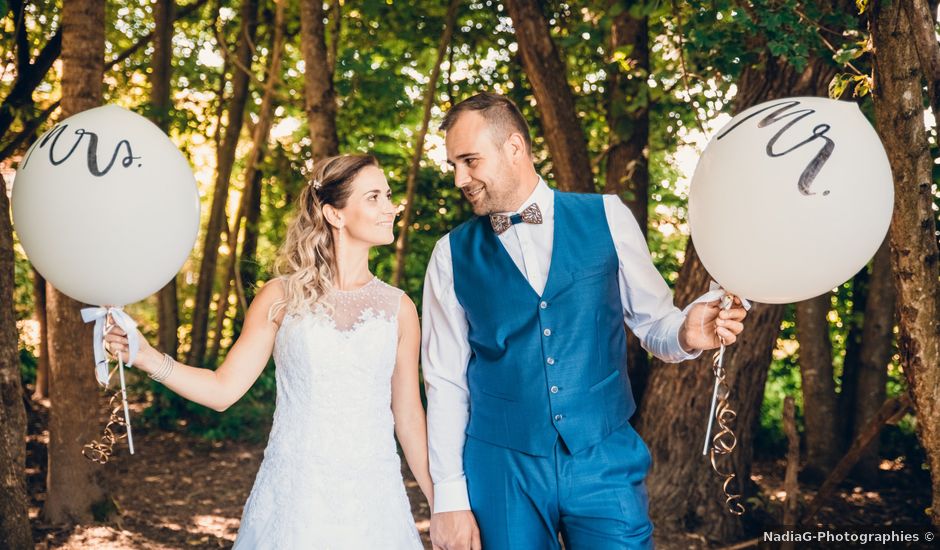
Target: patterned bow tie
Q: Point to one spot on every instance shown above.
(501, 222)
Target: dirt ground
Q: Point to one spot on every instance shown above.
(179, 491)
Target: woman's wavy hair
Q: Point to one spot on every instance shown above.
(307, 258)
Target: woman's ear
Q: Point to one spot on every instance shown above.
(333, 216)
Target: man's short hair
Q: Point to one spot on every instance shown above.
(500, 113)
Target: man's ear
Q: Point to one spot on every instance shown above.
(333, 216)
(515, 147)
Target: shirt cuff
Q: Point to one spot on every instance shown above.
(451, 496)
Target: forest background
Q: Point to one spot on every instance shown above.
(621, 97)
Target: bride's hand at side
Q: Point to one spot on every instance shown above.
(217, 389)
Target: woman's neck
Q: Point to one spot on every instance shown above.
(352, 266)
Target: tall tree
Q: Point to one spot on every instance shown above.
(874, 355)
(628, 119)
(848, 382)
(818, 384)
(39, 312)
(685, 494)
(28, 74)
(319, 94)
(74, 483)
(899, 101)
(547, 73)
(241, 65)
(401, 245)
(14, 517)
(161, 62)
(252, 182)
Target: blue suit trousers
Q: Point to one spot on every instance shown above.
(595, 499)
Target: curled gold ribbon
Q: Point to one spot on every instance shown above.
(724, 440)
(100, 451)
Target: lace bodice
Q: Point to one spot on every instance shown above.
(336, 361)
(331, 475)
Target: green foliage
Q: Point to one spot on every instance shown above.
(28, 365)
(783, 380)
(698, 49)
(23, 280)
(841, 81)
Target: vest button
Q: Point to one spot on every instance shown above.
(558, 417)
(550, 360)
(553, 389)
(543, 305)
(547, 332)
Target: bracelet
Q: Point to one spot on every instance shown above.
(166, 367)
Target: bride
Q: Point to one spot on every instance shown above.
(345, 347)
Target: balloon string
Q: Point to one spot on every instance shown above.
(724, 441)
(100, 451)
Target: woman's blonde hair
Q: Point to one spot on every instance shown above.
(307, 258)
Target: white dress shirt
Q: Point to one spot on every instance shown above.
(647, 309)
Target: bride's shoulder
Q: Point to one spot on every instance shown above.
(270, 293)
(399, 297)
(272, 289)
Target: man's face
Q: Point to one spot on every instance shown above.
(481, 168)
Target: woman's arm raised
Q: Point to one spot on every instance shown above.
(217, 389)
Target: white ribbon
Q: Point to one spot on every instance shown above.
(99, 316)
(715, 292)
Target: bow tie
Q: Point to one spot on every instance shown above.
(501, 222)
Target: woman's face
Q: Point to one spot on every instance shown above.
(369, 214)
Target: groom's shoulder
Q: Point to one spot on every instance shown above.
(579, 198)
(583, 204)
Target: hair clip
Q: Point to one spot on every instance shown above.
(316, 184)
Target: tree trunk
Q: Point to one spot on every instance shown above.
(39, 311)
(628, 156)
(922, 17)
(210, 249)
(259, 140)
(898, 104)
(850, 364)
(319, 95)
(221, 303)
(74, 483)
(874, 355)
(248, 264)
(336, 29)
(14, 518)
(547, 73)
(819, 388)
(401, 245)
(791, 506)
(684, 491)
(167, 305)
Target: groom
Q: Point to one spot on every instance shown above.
(524, 352)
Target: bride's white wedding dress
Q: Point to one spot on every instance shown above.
(331, 474)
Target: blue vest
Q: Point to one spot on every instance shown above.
(547, 366)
